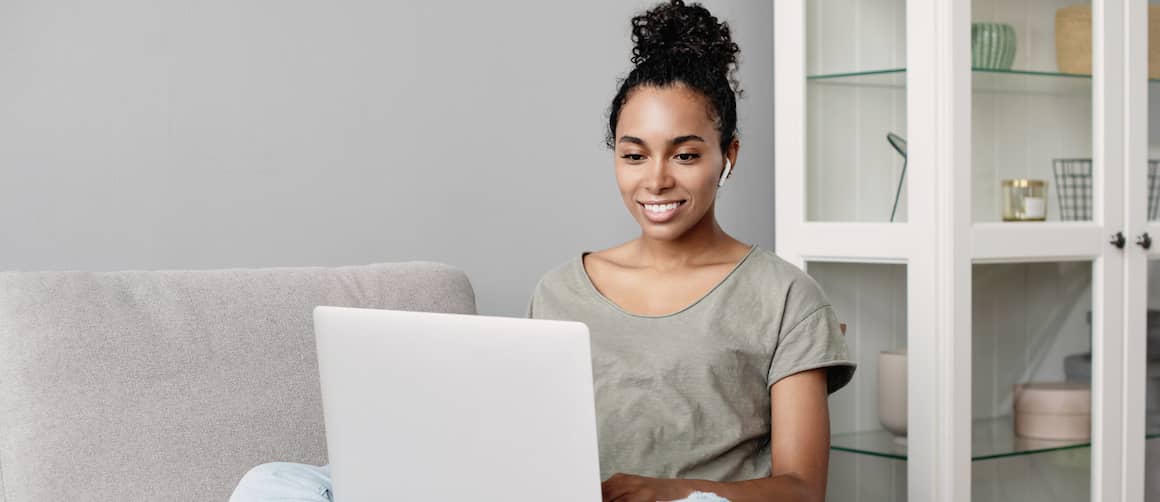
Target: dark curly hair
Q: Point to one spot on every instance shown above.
(678, 43)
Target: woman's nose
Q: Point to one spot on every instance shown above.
(659, 177)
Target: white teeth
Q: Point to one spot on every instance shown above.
(661, 208)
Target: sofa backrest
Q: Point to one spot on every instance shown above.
(170, 385)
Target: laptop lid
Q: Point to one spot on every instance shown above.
(431, 406)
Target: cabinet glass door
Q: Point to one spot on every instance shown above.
(1152, 385)
(856, 110)
(868, 419)
(1047, 283)
(1143, 190)
(1032, 111)
(1152, 176)
(1031, 393)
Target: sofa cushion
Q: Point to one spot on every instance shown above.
(170, 385)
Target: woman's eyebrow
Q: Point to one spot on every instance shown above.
(690, 137)
(676, 141)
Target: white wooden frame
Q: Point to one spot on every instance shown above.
(1108, 298)
(939, 242)
(939, 114)
(1135, 204)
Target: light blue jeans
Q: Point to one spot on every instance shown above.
(290, 482)
(284, 482)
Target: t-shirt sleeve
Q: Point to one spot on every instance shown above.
(814, 341)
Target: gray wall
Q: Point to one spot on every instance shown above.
(137, 134)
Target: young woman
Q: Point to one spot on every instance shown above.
(712, 359)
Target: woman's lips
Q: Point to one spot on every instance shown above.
(661, 213)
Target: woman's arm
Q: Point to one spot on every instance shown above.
(799, 445)
(799, 450)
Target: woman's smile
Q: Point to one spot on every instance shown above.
(661, 211)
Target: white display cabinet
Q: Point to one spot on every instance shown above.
(926, 262)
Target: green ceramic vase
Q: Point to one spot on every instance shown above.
(992, 46)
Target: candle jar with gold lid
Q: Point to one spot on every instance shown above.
(1024, 200)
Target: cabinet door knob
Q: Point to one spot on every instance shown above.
(1118, 240)
(1144, 241)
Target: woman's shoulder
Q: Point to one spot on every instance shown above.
(768, 263)
(559, 279)
(560, 273)
(565, 275)
(773, 274)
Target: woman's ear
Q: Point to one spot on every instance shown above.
(731, 153)
(725, 173)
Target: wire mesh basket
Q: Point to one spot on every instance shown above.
(1073, 184)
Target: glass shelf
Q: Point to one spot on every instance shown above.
(984, 80)
(894, 78)
(991, 438)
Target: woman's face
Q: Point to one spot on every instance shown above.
(668, 159)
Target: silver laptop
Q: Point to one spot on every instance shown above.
(448, 407)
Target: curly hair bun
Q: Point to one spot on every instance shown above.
(682, 33)
(683, 44)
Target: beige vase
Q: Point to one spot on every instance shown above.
(1073, 39)
(892, 392)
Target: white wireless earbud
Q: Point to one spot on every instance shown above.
(725, 173)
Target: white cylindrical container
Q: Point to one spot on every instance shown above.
(1053, 410)
(892, 407)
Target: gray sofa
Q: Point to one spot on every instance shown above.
(170, 385)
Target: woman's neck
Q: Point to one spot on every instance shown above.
(704, 243)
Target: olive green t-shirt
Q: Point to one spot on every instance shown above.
(686, 395)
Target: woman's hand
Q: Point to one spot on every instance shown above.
(629, 488)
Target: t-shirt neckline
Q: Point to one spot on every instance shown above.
(587, 280)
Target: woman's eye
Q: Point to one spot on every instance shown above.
(688, 156)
